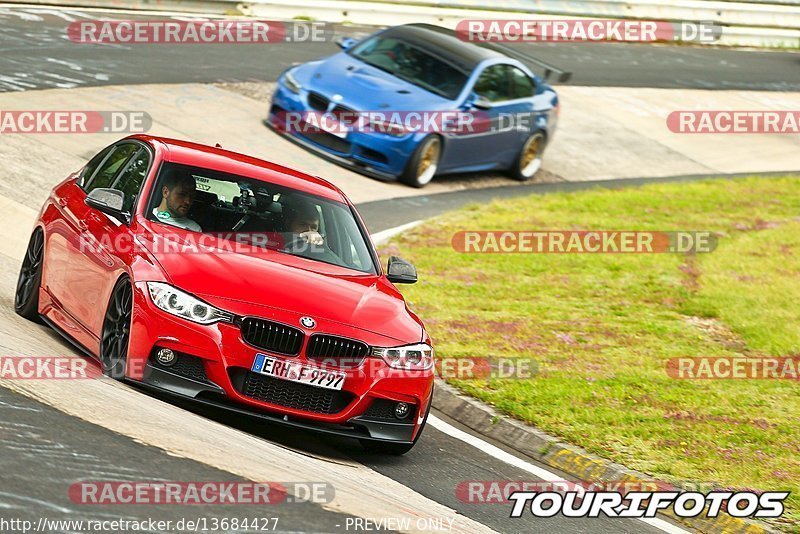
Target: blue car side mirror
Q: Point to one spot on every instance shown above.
(478, 102)
(345, 42)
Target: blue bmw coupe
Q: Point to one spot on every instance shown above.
(419, 70)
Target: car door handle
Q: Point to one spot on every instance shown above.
(82, 225)
(62, 202)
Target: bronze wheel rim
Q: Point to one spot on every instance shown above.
(428, 162)
(531, 160)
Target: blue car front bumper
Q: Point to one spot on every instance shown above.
(375, 154)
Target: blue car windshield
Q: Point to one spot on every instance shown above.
(412, 64)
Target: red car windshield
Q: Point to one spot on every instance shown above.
(259, 214)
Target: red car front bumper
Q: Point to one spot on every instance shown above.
(214, 367)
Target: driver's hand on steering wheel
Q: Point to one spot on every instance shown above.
(312, 238)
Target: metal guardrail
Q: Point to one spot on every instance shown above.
(763, 13)
(754, 23)
(533, 5)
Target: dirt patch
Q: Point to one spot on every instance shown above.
(758, 224)
(261, 91)
(692, 274)
(719, 333)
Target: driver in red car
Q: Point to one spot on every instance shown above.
(178, 191)
(303, 237)
(302, 222)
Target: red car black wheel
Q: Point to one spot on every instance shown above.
(116, 330)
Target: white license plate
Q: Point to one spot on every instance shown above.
(336, 128)
(297, 372)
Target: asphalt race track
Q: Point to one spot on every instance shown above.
(44, 450)
(35, 53)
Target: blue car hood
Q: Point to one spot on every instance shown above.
(366, 88)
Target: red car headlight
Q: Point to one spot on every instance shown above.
(416, 357)
(181, 304)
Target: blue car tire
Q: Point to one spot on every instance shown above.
(529, 160)
(423, 163)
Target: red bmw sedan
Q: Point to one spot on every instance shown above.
(234, 282)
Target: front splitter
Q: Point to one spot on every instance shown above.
(208, 394)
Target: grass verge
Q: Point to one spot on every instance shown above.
(602, 326)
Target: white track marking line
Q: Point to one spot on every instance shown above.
(64, 15)
(384, 235)
(535, 470)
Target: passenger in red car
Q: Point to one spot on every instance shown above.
(178, 191)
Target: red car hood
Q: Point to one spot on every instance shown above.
(298, 285)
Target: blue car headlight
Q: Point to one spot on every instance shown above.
(387, 128)
(291, 83)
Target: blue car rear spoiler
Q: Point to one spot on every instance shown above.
(549, 70)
